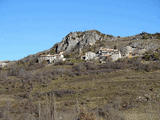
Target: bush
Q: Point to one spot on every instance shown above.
(59, 63)
(3, 75)
(134, 63)
(86, 116)
(91, 66)
(112, 111)
(80, 67)
(155, 56)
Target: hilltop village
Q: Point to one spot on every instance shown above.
(102, 55)
(93, 45)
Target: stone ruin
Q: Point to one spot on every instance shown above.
(107, 53)
(89, 56)
(51, 58)
(113, 54)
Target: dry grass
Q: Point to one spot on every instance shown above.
(94, 86)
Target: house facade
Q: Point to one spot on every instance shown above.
(89, 56)
(113, 54)
(51, 58)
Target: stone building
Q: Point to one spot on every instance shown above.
(103, 54)
(113, 54)
(89, 56)
(51, 58)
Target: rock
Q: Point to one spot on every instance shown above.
(78, 40)
(126, 51)
(144, 98)
(3, 63)
(141, 99)
(145, 44)
(132, 51)
(138, 52)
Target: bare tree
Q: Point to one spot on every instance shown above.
(47, 111)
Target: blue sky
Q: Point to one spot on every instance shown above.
(30, 26)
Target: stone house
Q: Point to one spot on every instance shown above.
(113, 54)
(89, 56)
(103, 54)
(51, 58)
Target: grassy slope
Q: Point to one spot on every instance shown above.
(102, 88)
(97, 90)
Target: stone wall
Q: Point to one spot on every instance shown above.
(51, 58)
(89, 56)
(116, 56)
(113, 54)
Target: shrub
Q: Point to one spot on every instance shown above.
(3, 75)
(59, 63)
(47, 111)
(86, 116)
(79, 67)
(152, 56)
(91, 66)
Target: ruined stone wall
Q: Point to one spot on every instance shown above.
(46, 58)
(51, 59)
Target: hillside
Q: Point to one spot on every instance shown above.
(79, 89)
(76, 44)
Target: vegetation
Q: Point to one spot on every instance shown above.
(108, 91)
(152, 56)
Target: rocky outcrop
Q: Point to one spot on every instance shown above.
(127, 51)
(78, 40)
(130, 51)
(3, 63)
(116, 56)
(145, 44)
(76, 44)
